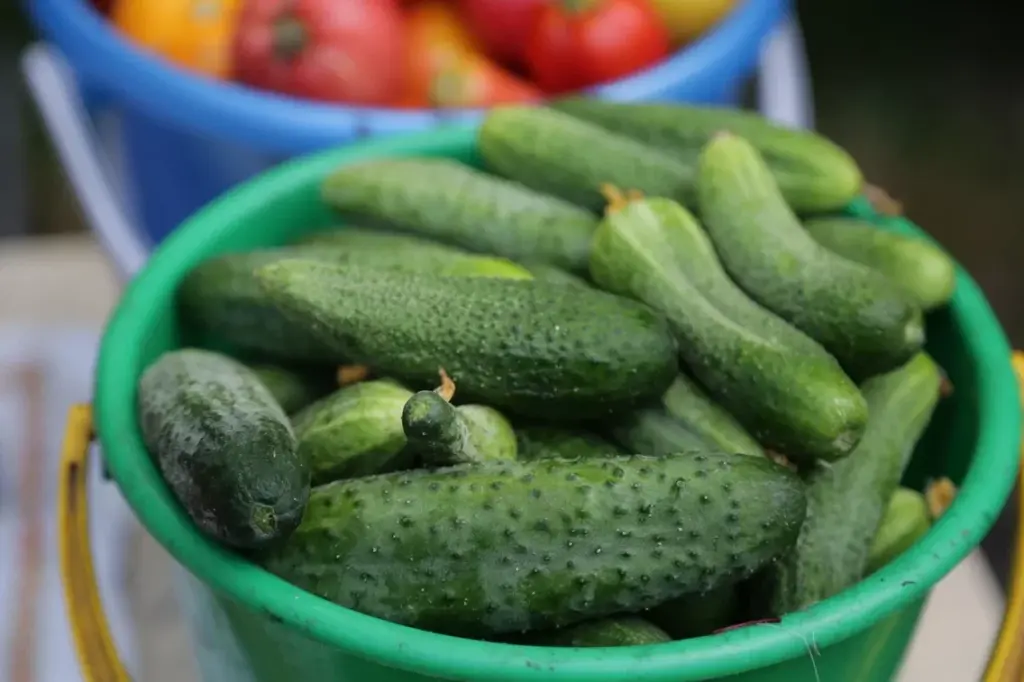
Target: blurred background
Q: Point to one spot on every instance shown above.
(927, 96)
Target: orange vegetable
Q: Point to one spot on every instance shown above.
(194, 34)
(447, 67)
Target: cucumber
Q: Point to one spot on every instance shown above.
(785, 389)
(858, 315)
(455, 204)
(615, 631)
(223, 446)
(483, 266)
(924, 271)
(293, 387)
(846, 501)
(813, 173)
(355, 431)
(697, 615)
(500, 547)
(653, 432)
(688, 403)
(906, 519)
(551, 442)
(559, 155)
(526, 347)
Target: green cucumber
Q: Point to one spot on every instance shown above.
(653, 432)
(688, 403)
(920, 268)
(813, 173)
(906, 519)
(551, 442)
(355, 431)
(455, 204)
(500, 547)
(614, 631)
(531, 348)
(858, 315)
(846, 501)
(697, 615)
(224, 447)
(293, 387)
(559, 155)
(785, 389)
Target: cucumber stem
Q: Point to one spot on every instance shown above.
(447, 388)
(352, 374)
(617, 199)
(939, 494)
(882, 201)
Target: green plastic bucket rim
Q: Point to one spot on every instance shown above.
(981, 497)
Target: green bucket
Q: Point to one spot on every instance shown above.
(251, 626)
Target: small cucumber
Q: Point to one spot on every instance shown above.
(552, 442)
(814, 174)
(560, 155)
(697, 615)
(689, 404)
(499, 547)
(617, 631)
(484, 266)
(224, 447)
(906, 519)
(294, 388)
(455, 204)
(846, 501)
(532, 348)
(920, 268)
(355, 431)
(441, 434)
(652, 432)
(858, 315)
(783, 387)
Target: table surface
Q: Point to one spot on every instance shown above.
(66, 281)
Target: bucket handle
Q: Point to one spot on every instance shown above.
(97, 654)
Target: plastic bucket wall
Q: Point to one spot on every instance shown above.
(251, 626)
(186, 140)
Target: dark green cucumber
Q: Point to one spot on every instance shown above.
(559, 155)
(492, 548)
(861, 317)
(688, 403)
(615, 631)
(920, 268)
(355, 431)
(293, 387)
(651, 431)
(785, 389)
(814, 174)
(906, 519)
(441, 434)
(697, 615)
(551, 442)
(455, 204)
(532, 348)
(224, 447)
(847, 500)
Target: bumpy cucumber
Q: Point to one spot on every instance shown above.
(293, 387)
(920, 268)
(533, 348)
(441, 434)
(652, 432)
(687, 402)
(696, 615)
(557, 154)
(813, 173)
(862, 318)
(484, 266)
(224, 447)
(355, 431)
(547, 442)
(847, 500)
(455, 204)
(906, 519)
(616, 631)
(783, 387)
(492, 548)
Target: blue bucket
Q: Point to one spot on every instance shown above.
(186, 139)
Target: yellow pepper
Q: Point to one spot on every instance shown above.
(194, 34)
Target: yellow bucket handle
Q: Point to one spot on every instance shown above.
(98, 656)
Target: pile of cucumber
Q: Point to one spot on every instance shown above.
(636, 380)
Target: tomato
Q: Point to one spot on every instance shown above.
(447, 68)
(193, 35)
(503, 26)
(578, 43)
(688, 19)
(353, 51)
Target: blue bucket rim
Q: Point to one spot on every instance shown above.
(237, 112)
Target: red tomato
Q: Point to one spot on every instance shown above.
(503, 26)
(351, 51)
(578, 43)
